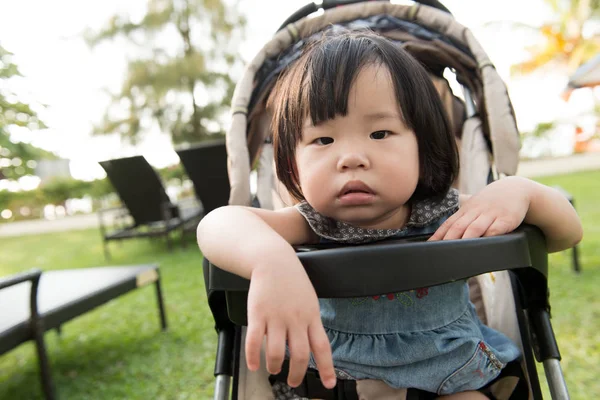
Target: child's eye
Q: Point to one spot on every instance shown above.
(379, 135)
(323, 140)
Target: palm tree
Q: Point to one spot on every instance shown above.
(565, 41)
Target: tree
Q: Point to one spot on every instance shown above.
(164, 84)
(16, 159)
(564, 40)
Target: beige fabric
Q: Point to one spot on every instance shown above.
(474, 158)
(476, 298)
(455, 109)
(259, 127)
(238, 157)
(504, 133)
(266, 178)
(253, 385)
(370, 389)
(504, 388)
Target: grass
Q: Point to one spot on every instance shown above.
(574, 298)
(118, 351)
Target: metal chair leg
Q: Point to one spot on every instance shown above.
(45, 373)
(575, 257)
(168, 240)
(106, 252)
(161, 305)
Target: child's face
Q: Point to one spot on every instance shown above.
(361, 168)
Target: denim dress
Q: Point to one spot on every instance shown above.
(428, 338)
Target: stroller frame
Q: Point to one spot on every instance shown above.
(522, 252)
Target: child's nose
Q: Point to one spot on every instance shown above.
(353, 160)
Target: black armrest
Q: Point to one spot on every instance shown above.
(33, 276)
(400, 265)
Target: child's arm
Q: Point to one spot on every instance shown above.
(503, 205)
(282, 303)
(238, 238)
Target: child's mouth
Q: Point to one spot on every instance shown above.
(356, 193)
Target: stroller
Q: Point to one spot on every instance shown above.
(507, 274)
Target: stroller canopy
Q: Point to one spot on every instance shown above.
(431, 35)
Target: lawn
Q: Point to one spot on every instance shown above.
(118, 351)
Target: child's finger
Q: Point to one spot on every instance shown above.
(478, 227)
(254, 337)
(299, 355)
(275, 347)
(319, 344)
(458, 227)
(441, 231)
(499, 227)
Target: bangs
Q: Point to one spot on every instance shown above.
(318, 84)
(329, 76)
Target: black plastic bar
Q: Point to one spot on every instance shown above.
(545, 343)
(395, 266)
(298, 15)
(237, 352)
(224, 360)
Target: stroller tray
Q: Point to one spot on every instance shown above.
(400, 265)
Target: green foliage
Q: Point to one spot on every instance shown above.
(59, 190)
(172, 172)
(56, 192)
(15, 200)
(540, 129)
(100, 188)
(16, 159)
(163, 84)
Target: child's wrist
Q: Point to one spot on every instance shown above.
(276, 262)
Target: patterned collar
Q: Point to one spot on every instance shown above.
(423, 213)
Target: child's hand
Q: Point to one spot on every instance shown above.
(497, 209)
(283, 305)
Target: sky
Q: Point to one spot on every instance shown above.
(70, 79)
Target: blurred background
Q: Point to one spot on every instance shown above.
(87, 81)
(82, 83)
